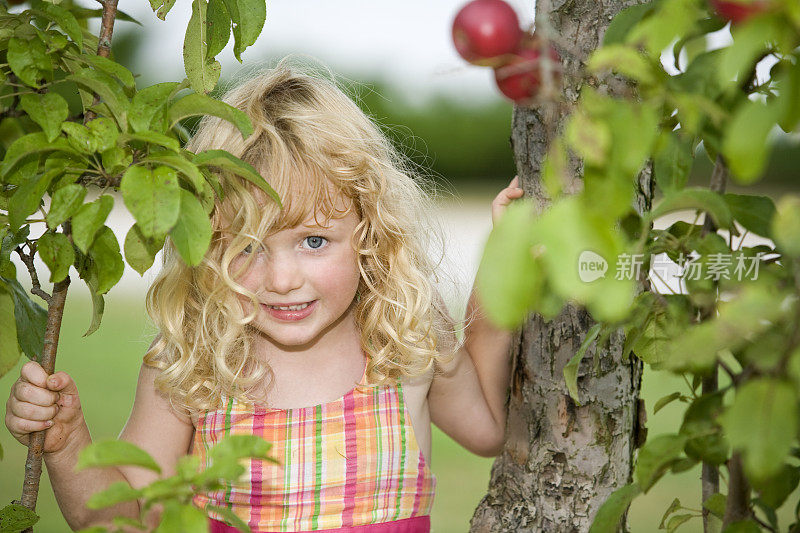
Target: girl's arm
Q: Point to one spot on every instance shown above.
(153, 426)
(467, 396)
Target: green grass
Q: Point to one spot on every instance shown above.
(105, 367)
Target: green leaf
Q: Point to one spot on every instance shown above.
(755, 213)
(88, 220)
(623, 21)
(28, 59)
(116, 159)
(65, 202)
(673, 507)
(571, 368)
(673, 162)
(63, 18)
(79, 137)
(230, 517)
(108, 261)
(227, 161)
(624, 60)
(141, 251)
(192, 233)
(177, 518)
(696, 198)
(716, 504)
(788, 85)
(27, 197)
(678, 520)
(195, 104)
(16, 517)
(590, 138)
(109, 91)
(187, 169)
(740, 318)
(786, 225)
(153, 198)
(163, 6)
(744, 526)
(509, 279)
(9, 349)
(115, 453)
(104, 132)
(610, 513)
(152, 137)
(240, 446)
(665, 400)
(656, 457)
(98, 305)
(749, 41)
(48, 110)
(663, 24)
(705, 441)
(572, 233)
(762, 423)
(776, 489)
(117, 492)
(744, 144)
(112, 68)
(147, 103)
(203, 73)
(57, 253)
(219, 28)
(29, 145)
(248, 17)
(30, 318)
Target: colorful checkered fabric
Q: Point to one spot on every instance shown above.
(350, 462)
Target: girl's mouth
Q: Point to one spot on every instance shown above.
(291, 314)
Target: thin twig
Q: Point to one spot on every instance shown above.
(28, 260)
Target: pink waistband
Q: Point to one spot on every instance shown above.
(417, 524)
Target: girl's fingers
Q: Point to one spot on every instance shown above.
(29, 411)
(34, 373)
(20, 427)
(25, 391)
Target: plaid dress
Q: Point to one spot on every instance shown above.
(349, 465)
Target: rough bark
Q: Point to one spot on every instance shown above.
(561, 461)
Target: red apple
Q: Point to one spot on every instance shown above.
(520, 78)
(485, 30)
(738, 12)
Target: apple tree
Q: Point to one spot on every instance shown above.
(641, 86)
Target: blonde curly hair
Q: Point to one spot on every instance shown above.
(312, 144)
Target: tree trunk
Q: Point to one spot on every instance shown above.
(561, 461)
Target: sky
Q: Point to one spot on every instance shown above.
(407, 42)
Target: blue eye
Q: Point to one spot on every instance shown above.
(315, 241)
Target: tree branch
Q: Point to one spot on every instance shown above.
(28, 260)
(738, 506)
(104, 42)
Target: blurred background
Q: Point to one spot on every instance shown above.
(398, 63)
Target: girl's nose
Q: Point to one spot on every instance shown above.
(283, 275)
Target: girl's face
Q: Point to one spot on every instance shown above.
(311, 265)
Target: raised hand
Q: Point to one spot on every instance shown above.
(41, 402)
(506, 196)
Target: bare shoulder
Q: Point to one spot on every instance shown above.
(156, 427)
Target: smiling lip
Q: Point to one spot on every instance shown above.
(288, 314)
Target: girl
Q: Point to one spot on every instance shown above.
(316, 326)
